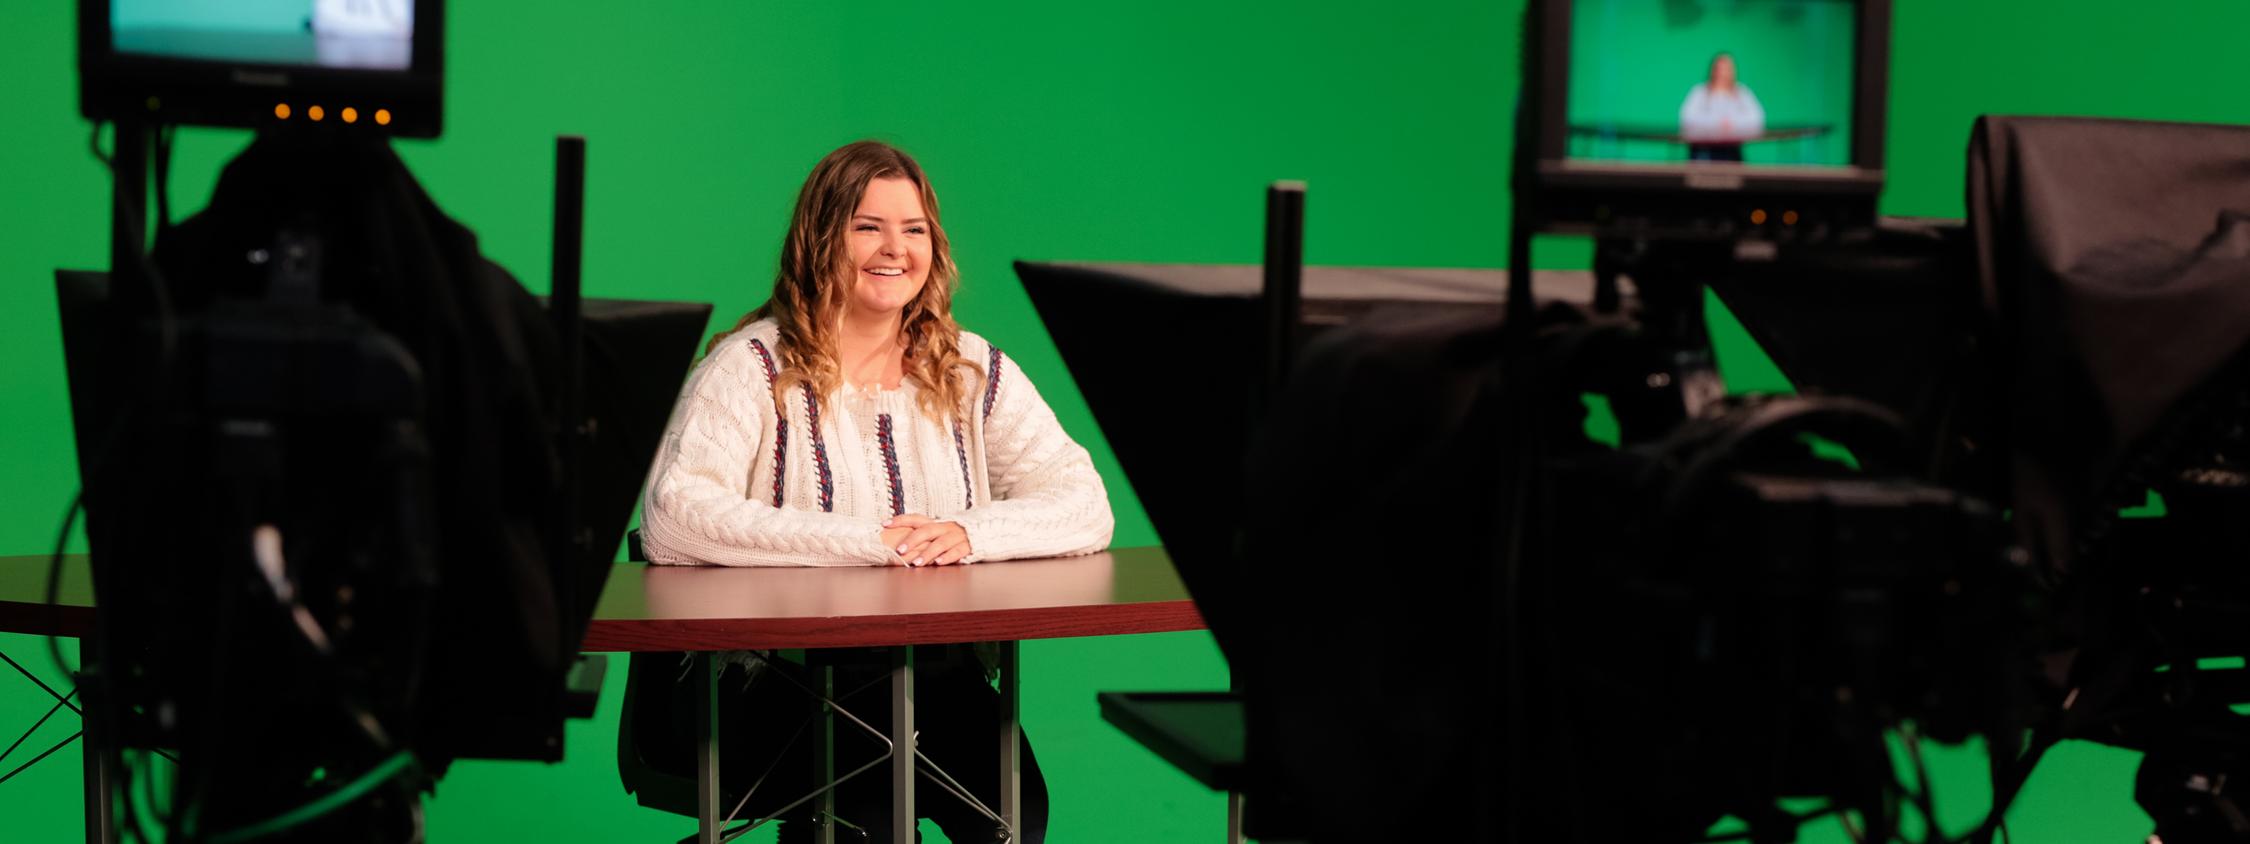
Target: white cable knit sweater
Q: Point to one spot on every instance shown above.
(734, 484)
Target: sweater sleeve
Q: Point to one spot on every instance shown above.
(1753, 113)
(1697, 120)
(699, 507)
(1048, 500)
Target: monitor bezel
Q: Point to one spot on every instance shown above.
(132, 87)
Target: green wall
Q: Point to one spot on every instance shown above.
(1633, 62)
(1107, 131)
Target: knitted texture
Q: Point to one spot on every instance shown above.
(780, 427)
(889, 446)
(1024, 488)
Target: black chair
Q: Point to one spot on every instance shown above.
(656, 779)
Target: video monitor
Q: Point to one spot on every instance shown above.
(344, 65)
(1710, 116)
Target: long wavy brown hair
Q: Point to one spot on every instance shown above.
(813, 283)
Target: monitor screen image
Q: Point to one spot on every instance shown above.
(344, 34)
(1765, 83)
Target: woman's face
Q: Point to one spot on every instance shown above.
(888, 244)
(1722, 71)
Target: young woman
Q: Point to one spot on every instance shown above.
(1719, 114)
(851, 421)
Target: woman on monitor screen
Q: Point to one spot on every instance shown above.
(1720, 113)
(850, 421)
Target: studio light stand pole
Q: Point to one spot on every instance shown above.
(565, 306)
(1282, 297)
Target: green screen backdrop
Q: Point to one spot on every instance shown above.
(1632, 63)
(278, 16)
(1103, 131)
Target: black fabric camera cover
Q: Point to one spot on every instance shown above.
(2114, 261)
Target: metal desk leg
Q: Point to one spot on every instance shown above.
(1011, 741)
(903, 816)
(824, 754)
(1234, 818)
(707, 748)
(94, 746)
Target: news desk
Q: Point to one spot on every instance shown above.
(1602, 140)
(709, 609)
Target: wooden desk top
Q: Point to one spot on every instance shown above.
(23, 597)
(671, 608)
